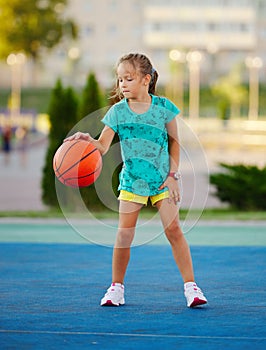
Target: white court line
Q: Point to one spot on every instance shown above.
(130, 334)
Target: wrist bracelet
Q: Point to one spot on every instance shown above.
(176, 175)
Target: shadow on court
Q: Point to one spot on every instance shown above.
(50, 294)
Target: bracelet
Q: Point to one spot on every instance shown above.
(176, 175)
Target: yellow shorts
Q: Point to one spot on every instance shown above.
(132, 197)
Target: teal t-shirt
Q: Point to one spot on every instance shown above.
(144, 144)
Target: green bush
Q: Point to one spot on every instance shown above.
(91, 102)
(243, 186)
(63, 116)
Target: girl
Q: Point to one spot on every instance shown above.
(148, 135)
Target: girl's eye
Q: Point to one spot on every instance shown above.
(121, 80)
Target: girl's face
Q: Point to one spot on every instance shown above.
(131, 83)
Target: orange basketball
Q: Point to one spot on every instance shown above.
(77, 163)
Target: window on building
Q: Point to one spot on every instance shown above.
(212, 27)
(112, 29)
(262, 6)
(88, 30)
(113, 5)
(244, 27)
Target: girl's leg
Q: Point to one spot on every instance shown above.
(128, 216)
(181, 252)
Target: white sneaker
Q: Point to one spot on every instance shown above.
(194, 295)
(114, 295)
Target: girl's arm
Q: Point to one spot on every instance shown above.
(173, 144)
(102, 144)
(105, 139)
(174, 156)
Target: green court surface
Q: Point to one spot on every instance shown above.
(103, 232)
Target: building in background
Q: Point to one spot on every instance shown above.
(224, 31)
(108, 28)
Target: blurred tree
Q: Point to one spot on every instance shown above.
(230, 93)
(91, 97)
(90, 111)
(29, 26)
(63, 116)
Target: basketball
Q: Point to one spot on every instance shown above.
(77, 163)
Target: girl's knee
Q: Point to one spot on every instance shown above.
(173, 231)
(124, 237)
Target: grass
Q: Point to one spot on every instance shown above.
(228, 214)
(207, 214)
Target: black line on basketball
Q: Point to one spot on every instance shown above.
(69, 179)
(62, 159)
(77, 162)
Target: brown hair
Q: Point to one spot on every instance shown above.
(143, 64)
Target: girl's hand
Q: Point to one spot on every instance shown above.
(79, 136)
(173, 188)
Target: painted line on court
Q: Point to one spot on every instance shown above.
(112, 334)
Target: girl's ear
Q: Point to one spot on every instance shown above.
(147, 79)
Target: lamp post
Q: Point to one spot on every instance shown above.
(178, 58)
(73, 55)
(194, 58)
(253, 64)
(15, 61)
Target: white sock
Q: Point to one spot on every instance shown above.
(189, 284)
(117, 284)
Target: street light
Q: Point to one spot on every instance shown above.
(15, 61)
(194, 58)
(73, 56)
(253, 64)
(178, 57)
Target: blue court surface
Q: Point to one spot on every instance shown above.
(52, 280)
